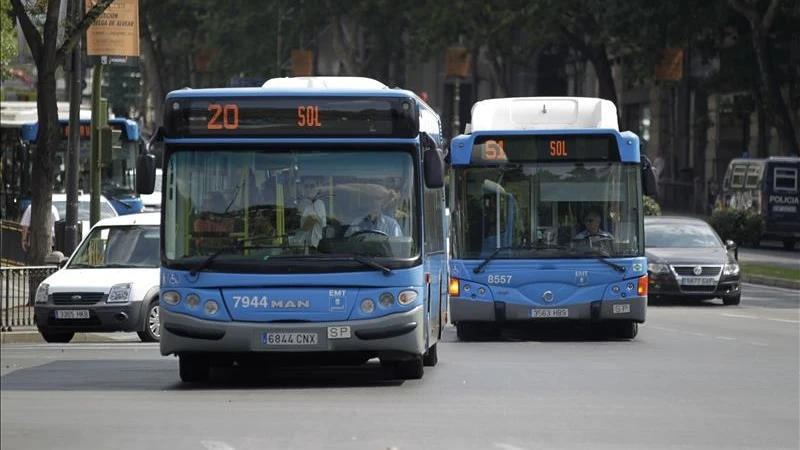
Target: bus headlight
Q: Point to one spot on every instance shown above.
(367, 305)
(386, 299)
(171, 298)
(211, 307)
(119, 293)
(407, 297)
(42, 292)
(192, 301)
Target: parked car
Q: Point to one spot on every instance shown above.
(110, 283)
(686, 258)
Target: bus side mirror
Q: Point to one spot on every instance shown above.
(432, 162)
(649, 186)
(145, 174)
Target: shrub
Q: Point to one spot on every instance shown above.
(741, 226)
(651, 207)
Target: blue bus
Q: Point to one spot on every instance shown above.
(117, 166)
(302, 222)
(547, 220)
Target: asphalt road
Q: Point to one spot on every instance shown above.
(699, 376)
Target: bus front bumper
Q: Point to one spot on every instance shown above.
(400, 332)
(467, 310)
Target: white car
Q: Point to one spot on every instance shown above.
(110, 283)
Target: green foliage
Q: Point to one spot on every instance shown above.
(8, 39)
(651, 207)
(744, 227)
(124, 89)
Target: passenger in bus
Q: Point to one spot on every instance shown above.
(376, 220)
(591, 222)
(212, 229)
(314, 217)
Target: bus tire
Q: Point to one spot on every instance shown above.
(194, 368)
(411, 369)
(624, 329)
(468, 331)
(431, 357)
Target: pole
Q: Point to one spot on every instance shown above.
(98, 122)
(74, 143)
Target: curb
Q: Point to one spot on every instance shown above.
(25, 335)
(771, 281)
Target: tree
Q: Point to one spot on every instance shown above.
(761, 25)
(8, 39)
(49, 55)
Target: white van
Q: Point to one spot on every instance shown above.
(110, 283)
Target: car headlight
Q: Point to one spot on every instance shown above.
(730, 269)
(119, 293)
(657, 268)
(42, 292)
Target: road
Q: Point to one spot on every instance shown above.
(699, 376)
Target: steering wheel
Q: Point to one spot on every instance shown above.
(363, 232)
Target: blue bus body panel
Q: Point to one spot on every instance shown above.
(628, 143)
(130, 129)
(300, 92)
(317, 297)
(570, 281)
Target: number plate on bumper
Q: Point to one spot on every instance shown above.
(72, 314)
(549, 313)
(289, 338)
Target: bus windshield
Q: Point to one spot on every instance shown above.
(547, 210)
(273, 209)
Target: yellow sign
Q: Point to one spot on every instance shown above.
(115, 34)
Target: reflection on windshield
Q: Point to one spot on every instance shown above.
(266, 206)
(683, 235)
(124, 246)
(547, 210)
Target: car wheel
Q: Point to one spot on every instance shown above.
(431, 357)
(731, 300)
(57, 338)
(152, 323)
(194, 368)
(411, 369)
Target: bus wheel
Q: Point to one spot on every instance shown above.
(431, 357)
(626, 329)
(194, 368)
(468, 331)
(411, 369)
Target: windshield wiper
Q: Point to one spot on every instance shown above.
(602, 255)
(229, 249)
(515, 247)
(370, 263)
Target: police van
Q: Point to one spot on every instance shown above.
(769, 186)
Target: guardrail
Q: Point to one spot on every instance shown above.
(17, 293)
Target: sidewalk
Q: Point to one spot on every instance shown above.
(29, 335)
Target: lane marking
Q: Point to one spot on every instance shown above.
(745, 316)
(505, 446)
(216, 445)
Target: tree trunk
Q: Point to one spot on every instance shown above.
(772, 92)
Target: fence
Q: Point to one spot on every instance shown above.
(17, 293)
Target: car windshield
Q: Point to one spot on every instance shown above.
(119, 246)
(680, 235)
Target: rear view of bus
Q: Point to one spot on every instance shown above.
(547, 218)
(303, 223)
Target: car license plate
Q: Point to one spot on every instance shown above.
(698, 281)
(72, 314)
(549, 313)
(289, 338)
